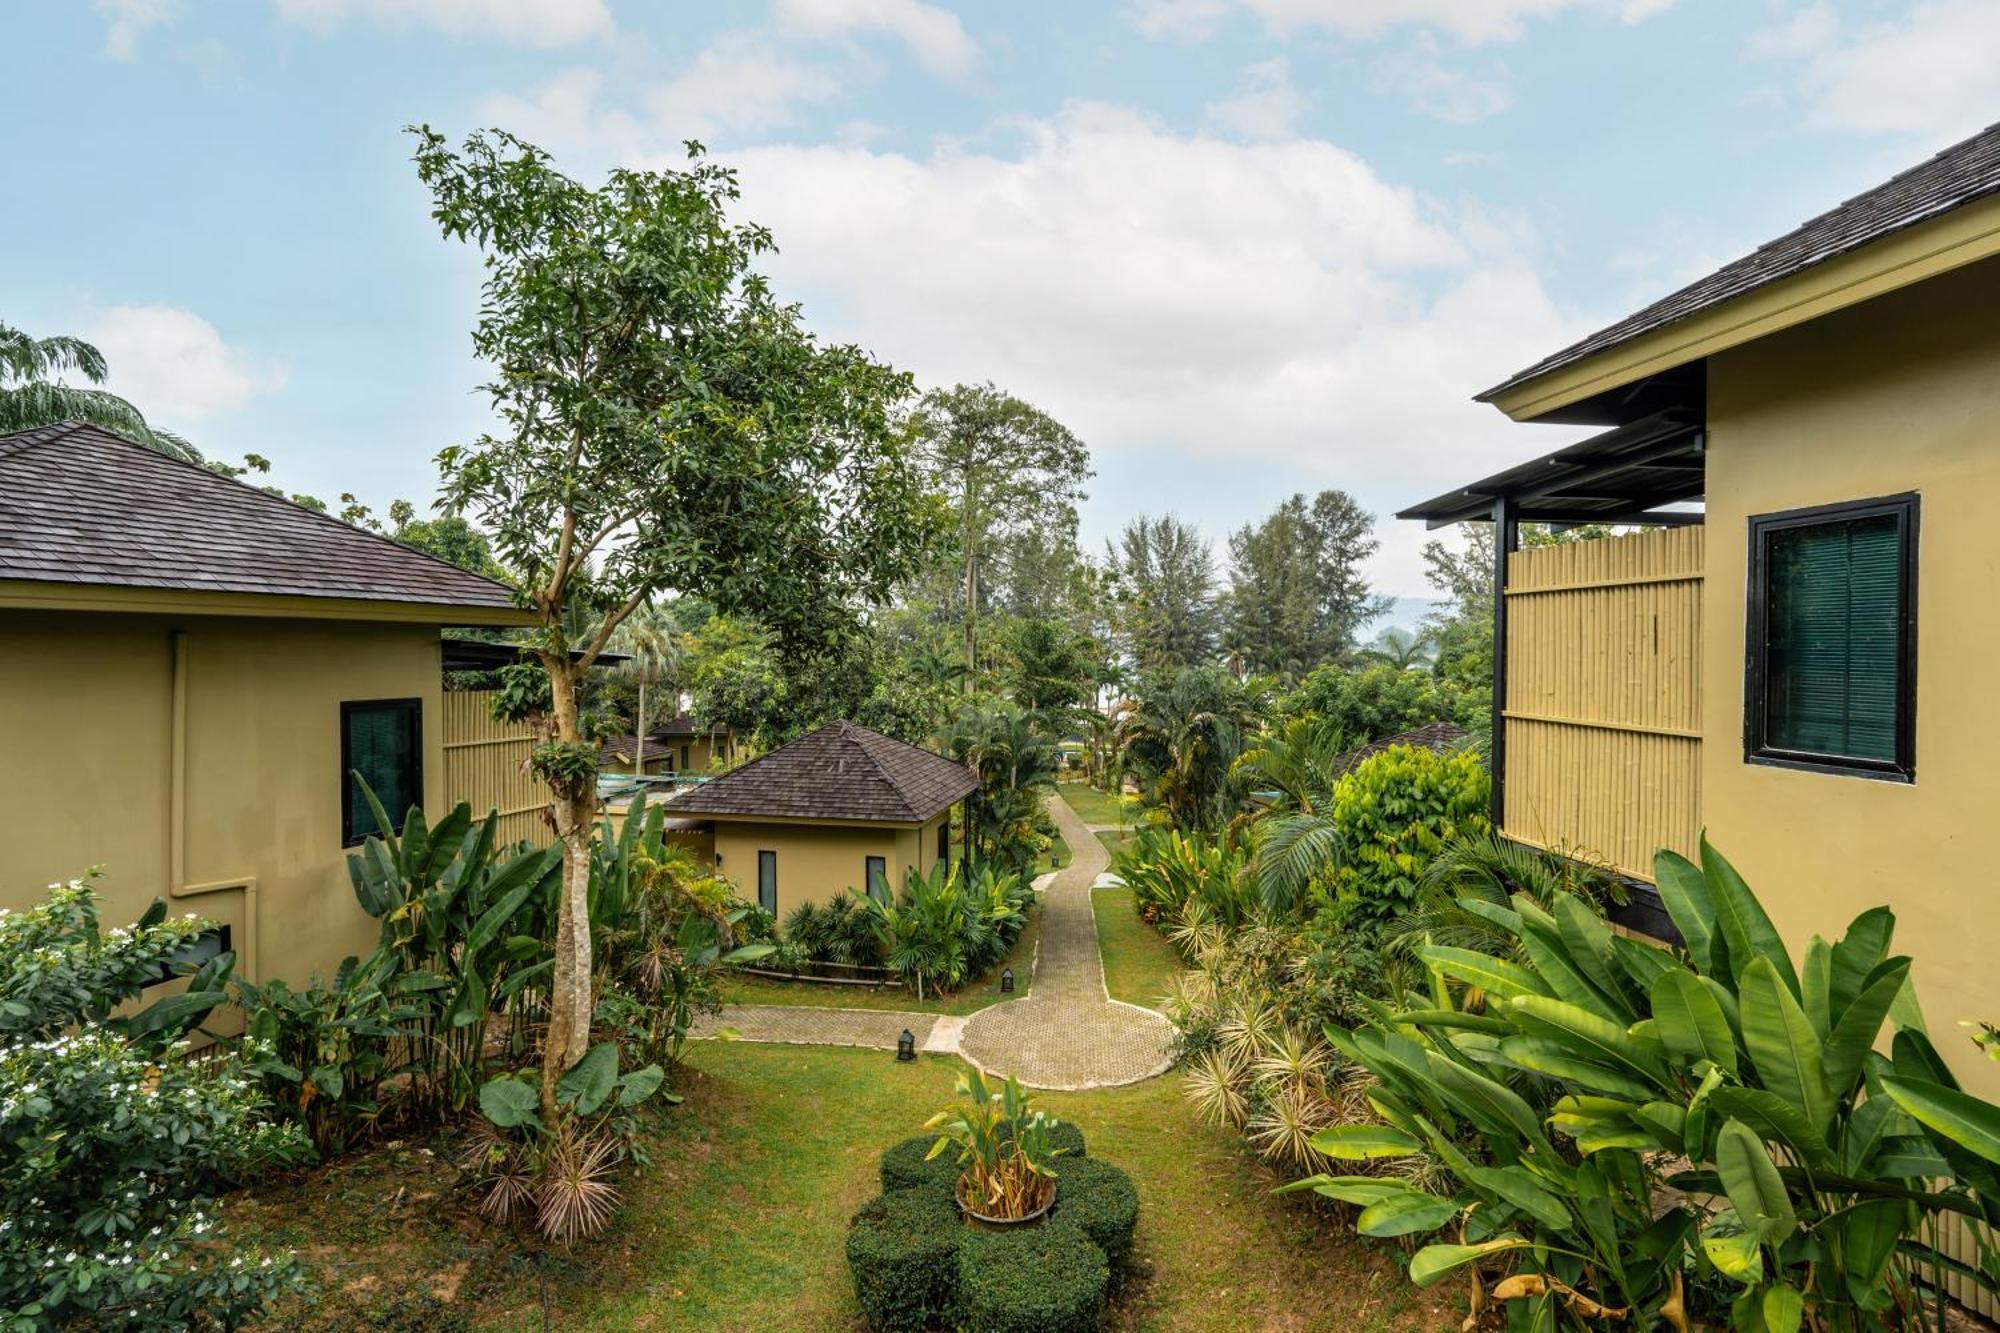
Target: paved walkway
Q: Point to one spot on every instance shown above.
(1067, 1033)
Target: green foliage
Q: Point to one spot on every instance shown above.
(1297, 595)
(113, 1142)
(1015, 756)
(37, 389)
(840, 931)
(1181, 736)
(1100, 1199)
(911, 1164)
(1391, 817)
(1004, 1146)
(902, 1249)
(1549, 1089)
(1049, 1278)
(1052, 664)
(1162, 581)
(948, 927)
(1177, 879)
(1374, 702)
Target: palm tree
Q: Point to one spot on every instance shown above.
(655, 654)
(1401, 649)
(1015, 756)
(32, 392)
(1294, 840)
(1182, 738)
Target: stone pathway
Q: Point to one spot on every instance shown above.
(1066, 1034)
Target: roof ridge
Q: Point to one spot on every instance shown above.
(847, 733)
(21, 441)
(73, 428)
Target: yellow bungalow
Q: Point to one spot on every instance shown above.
(189, 669)
(841, 808)
(678, 745)
(1756, 668)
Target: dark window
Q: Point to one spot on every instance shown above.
(944, 839)
(767, 881)
(1832, 639)
(878, 879)
(382, 741)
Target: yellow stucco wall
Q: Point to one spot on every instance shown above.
(1899, 394)
(87, 713)
(818, 862)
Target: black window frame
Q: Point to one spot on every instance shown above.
(414, 706)
(762, 854)
(868, 864)
(1906, 508)
(944, 839)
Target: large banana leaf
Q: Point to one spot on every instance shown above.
(1860, 952)
(1690, 1021)
(1434, 1261)
(1959, 1117)
(1595, 1037)
(1750, 1179)
(1684, 891)
(1559, 1060)
(1855, 1029)
(1781, 1041)
(1743, 922)
(1409, 1213)
(1496, 976)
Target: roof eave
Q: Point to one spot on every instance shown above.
(24, 594)
(1952, 240)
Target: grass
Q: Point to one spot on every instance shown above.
(740, 1222)
(1138, 961)
(1093, 806)
(968, 999)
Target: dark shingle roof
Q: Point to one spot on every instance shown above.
(1439, 736)
(79, 505)
(840, 771)
(1957, 176)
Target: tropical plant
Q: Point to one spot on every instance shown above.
(1015, 755)
(114, 1141)
(1391, 816)
(465, 920)
(1180, 738)
(1170, 873)
(655, 655)
(1401, 649)
(1375, 701)
(1292, 773)
(949, 926)
(1553, 1092)
(840, 931)
(1004, 1145)
(33, 392)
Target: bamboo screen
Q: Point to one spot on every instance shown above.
(1603, 708)
(485, 766)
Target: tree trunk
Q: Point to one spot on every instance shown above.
(570, 1001)
(639, 748)
(971, 618)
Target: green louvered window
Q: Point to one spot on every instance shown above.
(1832, 679)
(382, 740)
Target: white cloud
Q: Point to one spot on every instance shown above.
(1440, 90)
(522, 22)
(933, 35)
(740, 84)
(1468, 20)
(175, 365)
(1932, 70)
(1266, 107)
(130, 19)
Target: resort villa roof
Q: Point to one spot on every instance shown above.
(89, 519)
(1436, 736)
(841, 772)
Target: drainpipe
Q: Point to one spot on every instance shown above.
(177, 886)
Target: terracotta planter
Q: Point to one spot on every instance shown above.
(958, 1193)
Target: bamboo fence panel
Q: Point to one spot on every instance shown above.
(1603, 709)
(485, 765)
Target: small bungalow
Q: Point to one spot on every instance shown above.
(678, 745)
(1755, 668)
(189, 669)
(841, 808)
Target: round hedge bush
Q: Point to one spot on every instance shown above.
(904, 1165)
(1101, 1199)
(903, 1250)
(1047, 1278)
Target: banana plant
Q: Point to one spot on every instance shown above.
(1554, 1083)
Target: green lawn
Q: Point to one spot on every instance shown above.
(740, 1222)
(969, 999)
(1093, 806)
(1138, 962)
(1113, 841)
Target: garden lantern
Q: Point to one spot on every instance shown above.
(906, 1046)
(1006, 981)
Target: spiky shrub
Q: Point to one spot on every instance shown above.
(1041, 1279)
(113, 1142)
(1556, 1089)
(1003, 1144)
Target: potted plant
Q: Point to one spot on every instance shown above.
(1005, 1147)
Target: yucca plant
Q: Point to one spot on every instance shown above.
(1557, 1086)
(1003, 1144)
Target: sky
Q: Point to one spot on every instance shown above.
(1242, 248)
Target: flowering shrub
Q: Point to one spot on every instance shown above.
(112, 1140)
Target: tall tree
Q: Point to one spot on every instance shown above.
(655, 654)
(1005, 467)
(1297, 595)
(669, 426)
(1165, 589)
(34, 392)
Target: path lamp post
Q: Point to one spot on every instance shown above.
(906, 1046)
(1006, 981)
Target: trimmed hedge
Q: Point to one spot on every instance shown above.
(904, 1167)
(1040, 1279)
(903, 1250)
(1101, 1199)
